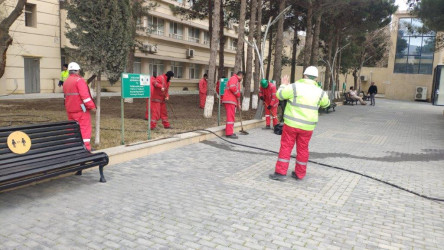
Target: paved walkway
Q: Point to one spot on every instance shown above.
(214, 195)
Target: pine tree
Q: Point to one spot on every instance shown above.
(102, 34)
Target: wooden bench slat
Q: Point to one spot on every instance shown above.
(38, 160)
(73, 163)
(11, 157)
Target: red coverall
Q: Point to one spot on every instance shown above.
(270, 99)
(76, 94)
(231, 99)
(152, 81)
(202, 92)
(158, 104)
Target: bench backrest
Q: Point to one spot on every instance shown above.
(46, 139)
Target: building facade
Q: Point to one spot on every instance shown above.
(33, 59)
(169, 42)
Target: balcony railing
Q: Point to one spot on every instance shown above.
(206, 42)
(176, 36)
(157, 32)
(193, 39)
(232, 47)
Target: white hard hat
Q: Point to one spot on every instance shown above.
(311, 71)
(73, 66)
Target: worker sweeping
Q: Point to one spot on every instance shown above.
(267, 94)
(304, 98)
(231, 100)
(78, 102)
(152, 82)
(203, 91)
(158, 100)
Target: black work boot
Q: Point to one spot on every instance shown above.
(233, 136)
(277, 177)
(293, 175)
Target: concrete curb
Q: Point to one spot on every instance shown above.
(132, 151)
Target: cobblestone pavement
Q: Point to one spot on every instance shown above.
(214, 195)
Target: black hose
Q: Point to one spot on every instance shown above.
(326, 165)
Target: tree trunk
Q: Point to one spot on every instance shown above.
(5, 38)
(210, 19)
(327, 84)
(209, 103)
(257, 62)
(355, 78)
(270, 50)
(249, 73)
(98, 98)
(293, 55)
(279, 47)
(309, 35)
(315, 45)
(240, 37)
(222, 39)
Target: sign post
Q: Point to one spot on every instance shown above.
(222, 85)
(135, 86)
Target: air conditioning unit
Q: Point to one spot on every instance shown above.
(146, 46)
(363, 78)
(190, 53)
(421, 93)
(153, 49)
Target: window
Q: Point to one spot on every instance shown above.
(194, 71)
(30, 15)
(177, 68)
(233, 44)
(176, 30)
(156, 67)
(414, 48)
(206, 38)
(156, 25)
(137, 69)
(193, 34)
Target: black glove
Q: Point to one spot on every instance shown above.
(269, 107)
(60, 83)
(262, 98)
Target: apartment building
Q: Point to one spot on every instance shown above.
(182, 46)
(33, 60)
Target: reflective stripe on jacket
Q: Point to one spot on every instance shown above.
(269, 95)
(77, 93)
(232, 91)
(304, 98)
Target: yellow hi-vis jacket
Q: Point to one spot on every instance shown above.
(64, 75)
(304, 98)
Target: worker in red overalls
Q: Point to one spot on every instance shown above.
(267, 94)
(203, 91)
(78, 102)
(231, 100)
(152, 82)
(158, 100)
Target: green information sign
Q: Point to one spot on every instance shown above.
(223, 85)
(135, 86)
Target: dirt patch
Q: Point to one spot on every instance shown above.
(184, 115)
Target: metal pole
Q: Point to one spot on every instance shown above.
(149, 118)
(123, 122)
(218, 110)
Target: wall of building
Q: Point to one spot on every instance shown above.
(41, 42)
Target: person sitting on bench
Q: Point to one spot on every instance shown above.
(355, 96)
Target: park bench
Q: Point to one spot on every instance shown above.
(348, 99)
(56, 149)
